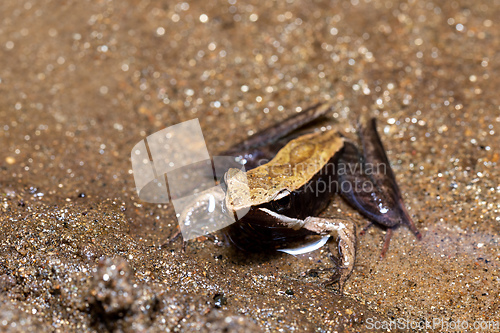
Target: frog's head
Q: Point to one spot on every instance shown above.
(276, 181)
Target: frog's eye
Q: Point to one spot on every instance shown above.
(282, 201)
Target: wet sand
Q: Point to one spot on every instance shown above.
(81, 83)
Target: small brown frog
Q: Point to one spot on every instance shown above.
(281, 199)
(276, 203)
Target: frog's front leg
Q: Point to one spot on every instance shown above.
(345, 231)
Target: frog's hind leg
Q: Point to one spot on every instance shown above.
(345, 231)
(373, 189)
(173, 238)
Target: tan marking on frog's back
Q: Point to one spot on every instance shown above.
(293, 166)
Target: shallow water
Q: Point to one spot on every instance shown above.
(82, 83)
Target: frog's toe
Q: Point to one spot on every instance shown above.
(335, 277)
(315, 271)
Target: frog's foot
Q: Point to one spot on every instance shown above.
(345, 230)
(175, 235)
(334, 278)
(336, 267)
(173, 238)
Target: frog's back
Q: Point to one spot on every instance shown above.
(293, 167)
(259, 231)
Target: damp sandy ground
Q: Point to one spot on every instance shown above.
(81, 82)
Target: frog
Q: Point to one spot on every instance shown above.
(291, 174)
(280, 201)
(285, 164)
